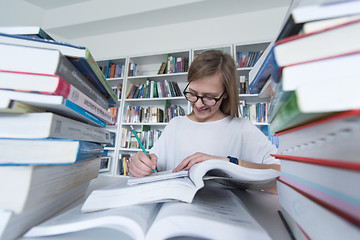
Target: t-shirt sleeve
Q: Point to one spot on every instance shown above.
(258, 147)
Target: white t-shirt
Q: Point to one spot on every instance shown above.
(235, 137)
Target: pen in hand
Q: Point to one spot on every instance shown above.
(142, 147)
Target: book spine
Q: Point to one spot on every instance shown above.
(91, 70)
(82, 114)
(74, 95)
(68, 72)
(62, 127)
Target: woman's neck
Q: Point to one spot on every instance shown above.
(220, 115)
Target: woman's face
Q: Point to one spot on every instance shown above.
(209, 87)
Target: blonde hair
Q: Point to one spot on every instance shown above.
(215, 62)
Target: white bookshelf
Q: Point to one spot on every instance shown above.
(149, 66)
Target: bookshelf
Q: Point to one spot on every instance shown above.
(246, 56)
(142, 71)
(116, 81)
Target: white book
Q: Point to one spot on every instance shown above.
(47, 151)
(216, 213)
(336, 179)
(306, 212)
(307, 47)
(50, 125)
(53, 103)
(321, 71)
(311, 10)
(151, 89)
(53, 85)
(335, 138)
(27, 186)
(183, 188)
(47, 61)
(80, 57)
(315, 26)
(13, 226)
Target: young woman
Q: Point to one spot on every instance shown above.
(213, 130)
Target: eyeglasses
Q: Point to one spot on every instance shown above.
(208, 101)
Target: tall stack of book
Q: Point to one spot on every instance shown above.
(53, 111)
(315, 112)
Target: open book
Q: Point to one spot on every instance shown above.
(182, 188)
(216, 213)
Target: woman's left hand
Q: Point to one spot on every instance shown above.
(188, 162)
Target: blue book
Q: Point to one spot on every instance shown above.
(263, 73)
(79, 56)
(19, 151)
(53, 103)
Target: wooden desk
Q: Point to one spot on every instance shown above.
(262, 206)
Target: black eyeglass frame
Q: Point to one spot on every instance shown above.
(202, 98)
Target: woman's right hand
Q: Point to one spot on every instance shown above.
(141, 166)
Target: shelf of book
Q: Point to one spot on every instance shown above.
(155, 83)
(148, 83)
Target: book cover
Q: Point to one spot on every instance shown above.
(305, 212)
(53, 85)
(26, 187)
(303, 12)
(349, 212)
(18, 224)
(79, 56)
(320, 70)
(333, 138)
(50, 125)
(288, 78)
(309, 10)
(333, 183)
(53, 103)
(47, 61)
(332, 41)
(314, 26)
(47, 151)
(312, 100)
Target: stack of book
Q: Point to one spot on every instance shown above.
(315, 112)
(53, 111)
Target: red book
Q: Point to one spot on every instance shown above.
(336, 205)
(313, 215)
(52, 85)
(336, 40)
(334, 138)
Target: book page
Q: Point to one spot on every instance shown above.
(216, 213)
(121, 194)
(232, 175)
(158, 176)
(132, 220)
